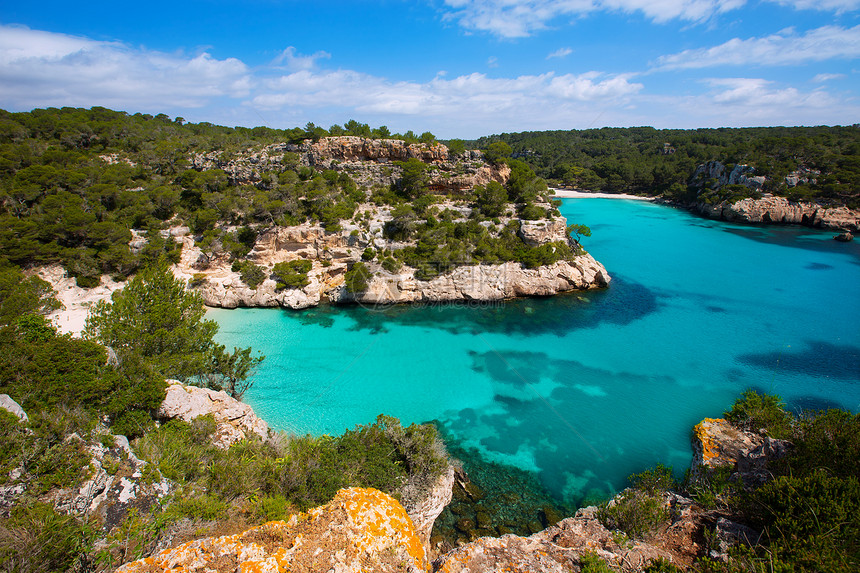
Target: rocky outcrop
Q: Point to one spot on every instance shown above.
(715, 174)
(352, 148)
(424, 503)
(560, 548)
(234, 420)
(773, 209)
(13, 407)
(718, 443)
(535, 233)
(484, 283)
(359, 530)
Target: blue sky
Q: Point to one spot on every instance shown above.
(457, 68)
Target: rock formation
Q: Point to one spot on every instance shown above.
(768, 208)
(13, 407)
(718, 443)
(359, 530)
(773, 209)
(234, 420)
(560, 548)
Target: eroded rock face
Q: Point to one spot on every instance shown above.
(359, 530)
(715, 174)
(556, 549)
(424, 504)
(718, 443)
(352, 148)
(771, 209)
(235, 420)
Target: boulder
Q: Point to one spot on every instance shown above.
(844, 237)
(234, 420)
(12, 406)
(359, 530)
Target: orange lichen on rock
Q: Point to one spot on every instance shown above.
(704, 432)
(359, 530)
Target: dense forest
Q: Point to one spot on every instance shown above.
(75, 184)
(649, 161)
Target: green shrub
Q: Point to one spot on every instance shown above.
(251, 274)
(654, 481)
(357, 278)
(292, 274)
(634, 512)
(35, 538)
(591, 563)
(754, 411)
(197, 280)
(369, 254)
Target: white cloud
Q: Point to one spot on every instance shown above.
(782, 48)
(492, 62)
(560, 53)
(521, 18)
(39, 69)
(838, 6)
(295, 62)
(822, 78)
(467, 94)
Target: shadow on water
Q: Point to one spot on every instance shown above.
(622, 303)
(819, 267)
(557, 416)
(818, 359)
(794, 236)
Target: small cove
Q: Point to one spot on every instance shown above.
(586, 388)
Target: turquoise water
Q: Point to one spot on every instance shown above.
(584, 389)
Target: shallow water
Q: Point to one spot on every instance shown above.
(584, 389)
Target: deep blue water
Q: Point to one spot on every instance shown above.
(584, 389)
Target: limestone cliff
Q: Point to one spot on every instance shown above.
(767, 208)
(773, 209)
(370, 162)
(331, 254)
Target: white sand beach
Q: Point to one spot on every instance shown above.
(570, 194)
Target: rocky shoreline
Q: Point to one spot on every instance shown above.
(779, 210)
(371, 526)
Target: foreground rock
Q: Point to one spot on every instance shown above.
(359, 530)
(556, 549)
(234, 420)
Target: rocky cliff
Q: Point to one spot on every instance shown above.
(332, 253)
(766, 208)
(370, 162)
(773, 209)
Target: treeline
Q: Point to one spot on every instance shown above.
(649, 161)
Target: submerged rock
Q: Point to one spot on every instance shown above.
(359, 530)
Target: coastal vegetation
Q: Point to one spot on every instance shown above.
(805, 516)
(77, 397)
(648, 161)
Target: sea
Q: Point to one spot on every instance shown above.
(583, 389)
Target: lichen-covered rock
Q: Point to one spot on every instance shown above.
(555, 549)
(359, 530)
(234, 420)
(718, 443)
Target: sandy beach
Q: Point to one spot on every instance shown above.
(570, 194)
(76, 301)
